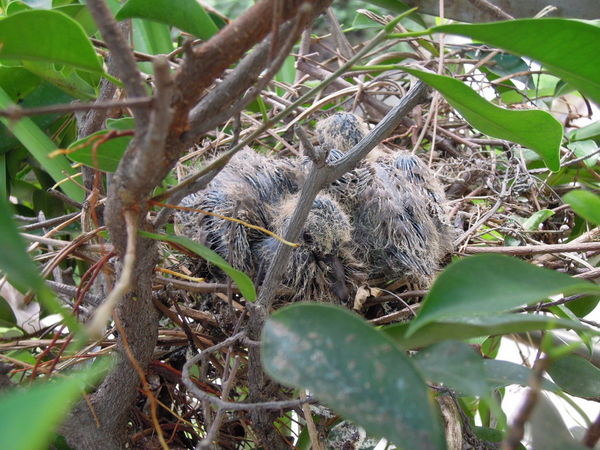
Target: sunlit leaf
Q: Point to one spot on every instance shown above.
(585, 204)
(489, 284)
(591, 131)
(587, 149)
(568, 48)
(40, 145)
(187, 15)
(48, 36)
(42, 407)
(533, 129)
(536, 219)
(244, 283)
(352, 368)
(108, 154)
(475, 326)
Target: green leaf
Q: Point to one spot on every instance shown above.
(455, 365)
(108, 154)
(151, 37)
(14, 260)
(568, 48)
(353, 368)
(577, 376)
(587, 148)
(187, 15)
(548, 431)
(584, 305)
(591, 131)
(244, 283)
(462, 328)
(39, 145)
(536, 219)
(7, 316)
(81, 14)
(585, 204)
(488, 284)
(47, 36)
(505, 373)
(42, 407)
(534, 129)
(20, 269)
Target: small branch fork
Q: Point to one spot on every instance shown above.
(222, 404)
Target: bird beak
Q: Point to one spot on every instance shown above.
(337, 278)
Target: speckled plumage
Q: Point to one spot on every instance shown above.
(263, 191)
(397, 207)
(244, 189)
(323, 268)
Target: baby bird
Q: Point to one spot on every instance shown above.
(323, 268)
(245, 189)
(263, 192)
(396, 206)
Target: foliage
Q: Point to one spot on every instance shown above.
(519, 174)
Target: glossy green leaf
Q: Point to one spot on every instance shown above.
(585, 204)
(534, 129)
(591, 131)
(48, 36)
(505, 373)
(243, 282)
(576, 376)
(547, 429)
(583, 306)
(533, 222)
(81, 14)
(16, 7)
(469, 327)
(568, 48)
(20, 269)
(108, 154)
(14, 260)
(44, 94)
(488, 284)
(42, 407)
(587, 149)
(455, 365)
(354, 369)
(187, 15)
(39, 145)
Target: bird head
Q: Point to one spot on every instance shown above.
(342, 131)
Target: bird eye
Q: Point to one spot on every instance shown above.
(307, 238)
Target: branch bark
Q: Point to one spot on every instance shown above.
(151, 155)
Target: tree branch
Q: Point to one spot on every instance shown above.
(124, 63)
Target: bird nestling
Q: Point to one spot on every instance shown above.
(388, 213)
(262, 191)
(396, 206)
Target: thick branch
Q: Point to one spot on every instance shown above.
(124, 63)
(207, 62)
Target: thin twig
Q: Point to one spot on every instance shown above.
(104, 311)
(145, 386)
(536, 249)
(229, 406)
(516, 431)
(15, 112)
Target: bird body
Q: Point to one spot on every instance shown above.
(388, 213)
